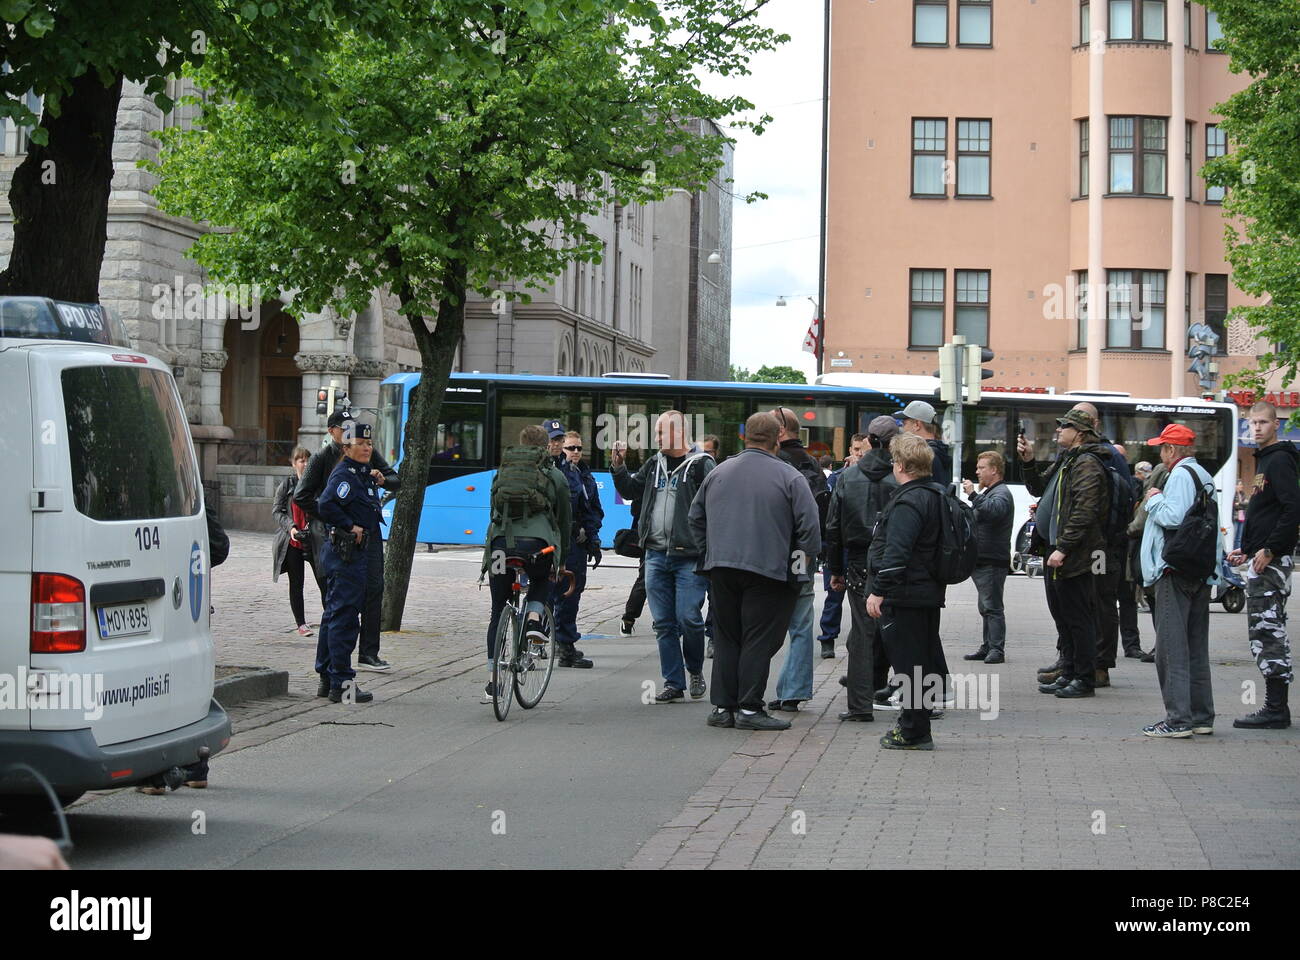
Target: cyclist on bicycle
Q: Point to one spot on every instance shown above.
(530, 512)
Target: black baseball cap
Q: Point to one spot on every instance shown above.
(337, 417)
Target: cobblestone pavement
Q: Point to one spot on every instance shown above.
(445, 623)
(1044, 784)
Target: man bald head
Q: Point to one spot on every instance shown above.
(1089, 409)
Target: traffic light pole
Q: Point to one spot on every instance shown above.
(959, 342)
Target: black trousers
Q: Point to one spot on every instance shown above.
(539, 582)
(750, 615)
(368, 643)
(1072, 603)
(1108, 584)
(295, 559)
(636, 599)
(911, 639)
(868, 669)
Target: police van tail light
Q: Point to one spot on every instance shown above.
(58, 614)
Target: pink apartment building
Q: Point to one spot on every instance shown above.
(988, 157)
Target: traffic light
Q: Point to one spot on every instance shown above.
(975, 372)
(322, 402)
(330, 398)
(949, 387)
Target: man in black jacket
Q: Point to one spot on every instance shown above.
(920, 419)
(1267, 542)
(994, 510)
(860, 494)
(309, 489)
(906, 592)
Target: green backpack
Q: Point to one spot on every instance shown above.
(520, 486)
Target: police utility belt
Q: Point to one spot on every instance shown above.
(345, 542)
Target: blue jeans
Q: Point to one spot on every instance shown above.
(795, 681)
(566, 608)
(832, 609)
(676, 594)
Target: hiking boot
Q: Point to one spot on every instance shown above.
(1101, 678)
(1056, 667)
(1274, 714)
(979, 654)
(697, 686)
(1051, 676)
(893, 740)
(669, 695)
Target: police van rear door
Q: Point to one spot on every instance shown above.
(119, 528)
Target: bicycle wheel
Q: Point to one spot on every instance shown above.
(502, 674)
(536, 664)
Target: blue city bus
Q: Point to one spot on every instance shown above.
(483, 413)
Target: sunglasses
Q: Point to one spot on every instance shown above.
(573, 448)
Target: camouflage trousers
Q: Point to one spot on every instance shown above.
(1266, 595)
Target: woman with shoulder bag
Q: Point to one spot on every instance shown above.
(293, 546)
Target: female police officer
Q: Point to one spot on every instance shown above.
(349, 506)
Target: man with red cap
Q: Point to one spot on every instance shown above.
(1175, 562)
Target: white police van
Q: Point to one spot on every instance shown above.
(106, 659)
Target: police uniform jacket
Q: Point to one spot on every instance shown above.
(350, 497)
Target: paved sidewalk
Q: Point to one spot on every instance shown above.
(1047, 784)
(444, 635)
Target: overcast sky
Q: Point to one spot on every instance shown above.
(776, 240)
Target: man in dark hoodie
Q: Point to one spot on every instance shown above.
(920, 418)
(860, 494)
(1267, 542)
(1070, 533)
(906, 591)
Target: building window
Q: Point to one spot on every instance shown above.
(1187, 23)
(1213, 32)
(1187, 148)
(974, 149)
(1121, 19)
(1216, 145)
(974, 23)
(1135, 309)
(1138, 165)
(926, 320)
(971, 307)
(1084, 134)
(1085, 22)
(1216, 307)
(1081, 307)
(1137, 20)
(930, 23)
(929, 156)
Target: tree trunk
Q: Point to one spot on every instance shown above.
(437, 350)
(59, 197)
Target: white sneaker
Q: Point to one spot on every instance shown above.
(487, 693)
(625, 628)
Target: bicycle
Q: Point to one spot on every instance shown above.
(522, 667)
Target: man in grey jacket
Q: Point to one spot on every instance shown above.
(758, 532)
(668, 482)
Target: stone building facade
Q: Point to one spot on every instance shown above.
(248, 372)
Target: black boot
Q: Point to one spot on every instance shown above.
(1275, 714)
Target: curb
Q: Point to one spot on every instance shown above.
(255, 683)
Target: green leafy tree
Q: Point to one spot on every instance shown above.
(464, 157)
(76, 55)
(1262, 174)
(781, 374)
(740, 374)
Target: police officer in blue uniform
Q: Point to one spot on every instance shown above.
(353, 560)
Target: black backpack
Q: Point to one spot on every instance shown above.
(1192, 549)
(1119, 501)
(958, 545)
